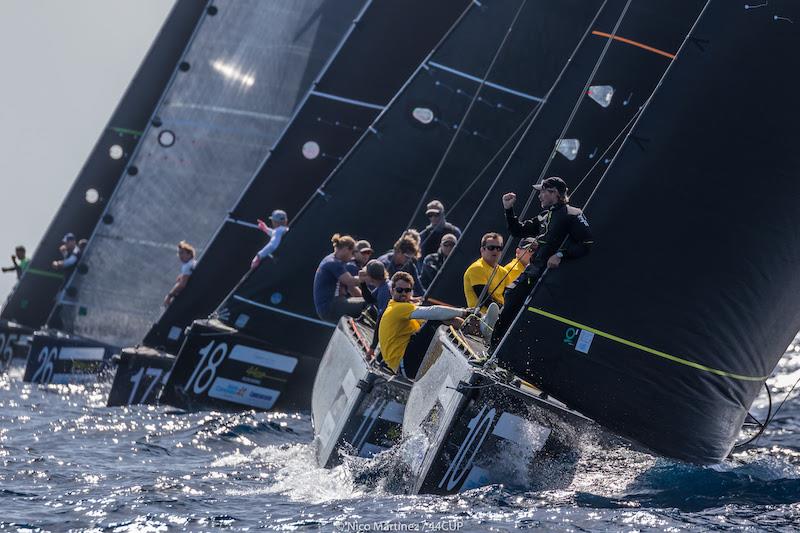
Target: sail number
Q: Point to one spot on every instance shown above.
(136, 379)
(7, 347)
(47, 356)
(213, 354)
(478, 429)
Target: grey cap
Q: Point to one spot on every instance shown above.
(279, 215)
(68, 237)
(449, 237)
(434, 207)
(526, 243)
(363, 246)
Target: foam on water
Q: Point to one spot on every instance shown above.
(68, 462)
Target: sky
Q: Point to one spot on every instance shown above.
(65, 66)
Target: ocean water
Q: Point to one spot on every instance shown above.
(68, 463)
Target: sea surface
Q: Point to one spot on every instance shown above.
(68, 463)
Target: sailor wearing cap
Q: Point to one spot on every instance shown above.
(525, 250)
(432, 235)
(70, 253)
(561, 231)
(279, 225)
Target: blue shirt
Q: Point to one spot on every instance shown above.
(326, 282)
(410, 267)
(382, 294)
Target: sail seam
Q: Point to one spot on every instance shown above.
(283, 312)
(351, 101)
(487, 83)
(643, 348)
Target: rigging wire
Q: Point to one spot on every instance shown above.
(532, 116)
(602, 178)
(563, 133)
(463, 120)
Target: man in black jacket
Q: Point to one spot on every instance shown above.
(562, 232)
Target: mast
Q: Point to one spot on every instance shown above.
(34, 295)
(666, 332)
(370, 65)
(234, 93)
(452, 117)
(594, 104)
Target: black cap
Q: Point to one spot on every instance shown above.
(553, 182)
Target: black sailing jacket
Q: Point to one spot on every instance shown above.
(551, 227)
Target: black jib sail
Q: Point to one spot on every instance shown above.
(577, 139)
(457, 112)
(34, 296)
(372, 63)
(248, 65)
(666, 332)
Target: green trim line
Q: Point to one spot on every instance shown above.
(44, 273)
(126, 130)
(651, 351)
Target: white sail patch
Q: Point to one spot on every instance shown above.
(311, 150)
(423, 115)
(568, 148)
(602, 94)
(584, 341)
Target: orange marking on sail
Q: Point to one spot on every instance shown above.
(633, 43)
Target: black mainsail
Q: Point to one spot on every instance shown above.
(237, 86)
(34, 295)
(372, 63)
(666, 332)
(457, 111)
(611, 81)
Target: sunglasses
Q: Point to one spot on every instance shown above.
(402, 290)
(448, 244)
(493, 247)
(434, 215)
(364, 252)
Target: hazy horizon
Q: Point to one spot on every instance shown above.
(67, 66)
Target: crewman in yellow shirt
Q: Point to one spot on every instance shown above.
(525, 250)
(403, 338)
(486, 271)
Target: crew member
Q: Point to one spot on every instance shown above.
(403, 339)
(403, 258)
(19, 262)
(562, 233)
(485, 280)
(433, 262)
(279, 226)
(525, 250)
(432, 235)
(333, 283)
(70, 253)
(186, 254)
(374, 285)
